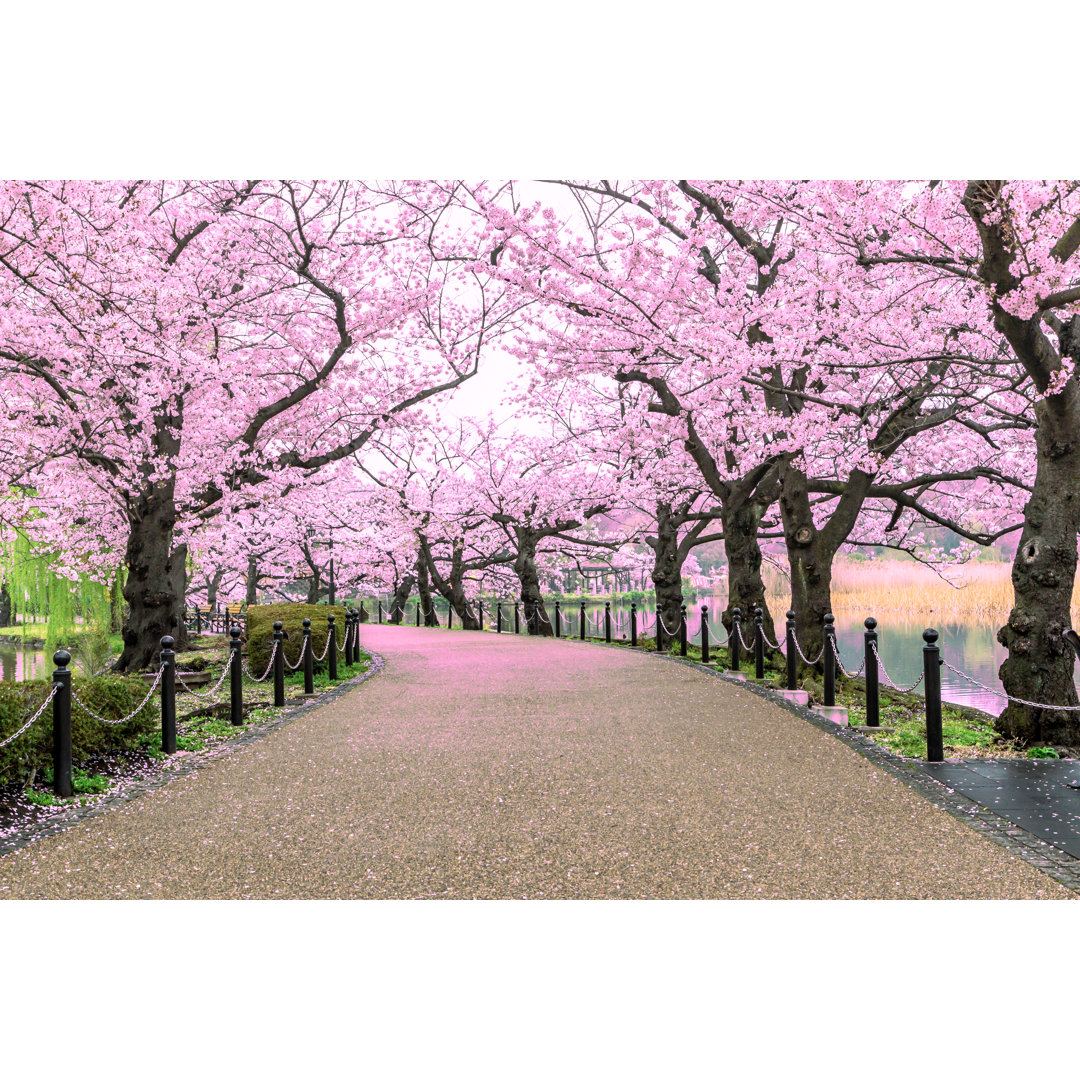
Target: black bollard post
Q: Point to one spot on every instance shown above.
(168, 695)
(498, 617)
(830, 660)
(759, 643)
(449, 616)
(607, 621)
(733, 640)
(873, 694)
(582, 634)
(380, 612)
(480, 608)
(558, 620)
(633, 625)
(682, 630)
(346, 656)
(935, 748)
(331, 652)
(62, 725)
(309, 661)
(236, 678)
(417, 612)
(704, 634)
(792, 658)
(659, 630)
(279, 665)
(517, 618)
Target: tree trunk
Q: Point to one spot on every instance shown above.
(313, 589)
(811, 551)
(452, 587)
(667, 570)
(251, 593)
(746, 588)
(212, 585)
(1040, 662)
(116, 606)
(178, 582)
(401, 595)
(5, 605)
(453, 592)
(423, 589)
(810, 560)
(533, 610)
(156, 577)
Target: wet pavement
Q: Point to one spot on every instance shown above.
(1042, 797)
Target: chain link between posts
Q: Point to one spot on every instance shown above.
(888, 681)
(29, 723)
(1009, 697)
(300, 658)
(269, 666)
(805, 658)
(211, 693)
(130, 716)
(840, 663)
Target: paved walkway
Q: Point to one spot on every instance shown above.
(1042, 797)
(479, 766)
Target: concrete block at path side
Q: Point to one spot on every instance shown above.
(796, 697)
(738, 676)
(836, 713)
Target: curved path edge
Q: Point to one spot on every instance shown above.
(1052, 861)
(74, 815)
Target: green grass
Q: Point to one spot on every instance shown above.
(201, 732)
(82, 783)
(39, 631)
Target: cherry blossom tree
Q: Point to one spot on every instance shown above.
(1008, 253)
(166, 347)
(762, 339)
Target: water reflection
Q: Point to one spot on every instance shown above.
(20, 663)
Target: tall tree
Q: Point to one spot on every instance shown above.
(184, 342)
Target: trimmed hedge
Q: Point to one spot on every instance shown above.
(110, 696)
(260, 632)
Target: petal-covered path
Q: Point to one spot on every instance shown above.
(484, 766)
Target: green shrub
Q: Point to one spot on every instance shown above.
(260, 631)
(110, 696)
(1042, 752)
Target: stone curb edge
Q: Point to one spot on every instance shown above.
(1052, 861)
(74, 815)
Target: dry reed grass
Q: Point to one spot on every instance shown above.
(981, 591)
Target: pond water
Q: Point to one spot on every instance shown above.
(19, 663)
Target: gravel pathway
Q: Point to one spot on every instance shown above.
(479, 766)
